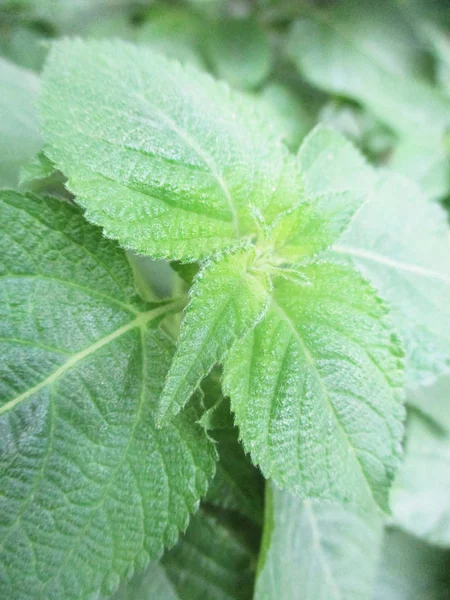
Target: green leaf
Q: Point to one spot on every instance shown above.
(19, 138)
(290, 111)
(213, 560)
(434, 402)
(400, 242)
(175, 32)
(227, 299)
(370, 57)
(153, 584)
(315, 388)
(164, 158)
(239, 51)
(316, 550)
(90, 489)
(237, 485)
(420, 494)
(411, 570)
(337, 180)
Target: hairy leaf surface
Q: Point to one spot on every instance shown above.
(401, 242)
(89, 487)
(317, 550)
(226, 301)
(314, 388)
(164, 158)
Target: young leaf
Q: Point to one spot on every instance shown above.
(400, 242)
(316, 550)
(411, 570)
(315, 388)
(226, 301)
(19, 138)
(337, 180)
(421, 491)
(164, 158)
(89, 487)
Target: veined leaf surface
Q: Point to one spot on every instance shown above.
(90, 489)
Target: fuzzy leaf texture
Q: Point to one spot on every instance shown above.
(90, 489)
(315, 388)
(164, 158)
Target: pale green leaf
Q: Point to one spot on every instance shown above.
(337, 180)
(90, 489)
(411, 570)
(400, 240)
(315, 388)
(227, 299)
(239, 51)
(371, 57)
(289, 110)
(420, 496)
(175, 32)
(164, 158)
(19, 138)
(433, 402)
(316, 550)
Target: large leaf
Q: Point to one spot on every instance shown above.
(316, 550)
(213, 560)
(411, 570)
(420, 496)
(19, 138)
(226, 300)
(165, 159)
(90, 489)
(401, 242)
(314, 388)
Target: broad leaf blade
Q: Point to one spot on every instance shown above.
(315, 388)
(226, 301)
(162, 157)
(83, 363)
(18, 120)
(317, 550)
(400, 241)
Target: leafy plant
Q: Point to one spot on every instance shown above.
(203, 322)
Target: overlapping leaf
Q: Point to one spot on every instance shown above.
(315, 388)
(317, 550)
(401, 242)
(90, 489)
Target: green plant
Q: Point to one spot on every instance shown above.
(191, 305)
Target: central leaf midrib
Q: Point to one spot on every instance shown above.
(311, 361)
